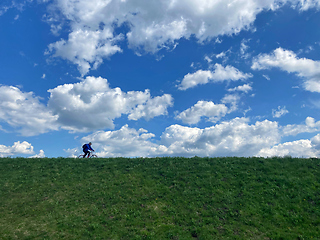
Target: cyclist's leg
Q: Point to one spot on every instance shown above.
(85, 154)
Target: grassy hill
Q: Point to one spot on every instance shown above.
(160, 198)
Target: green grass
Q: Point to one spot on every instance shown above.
(160, 198)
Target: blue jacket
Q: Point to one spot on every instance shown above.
(87, 147)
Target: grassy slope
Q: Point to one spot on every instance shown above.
(160, 198)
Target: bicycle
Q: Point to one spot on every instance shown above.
(92, 155)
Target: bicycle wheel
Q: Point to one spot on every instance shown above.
(93, 156)
(81, 156)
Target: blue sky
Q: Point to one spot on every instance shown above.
(151, 78)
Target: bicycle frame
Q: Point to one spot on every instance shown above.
(92, 155)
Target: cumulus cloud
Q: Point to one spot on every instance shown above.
(277, 113)
(236, 137)
(84, 106)
(219, 74)
(125, 142)
(213, 112)
(86, 48)
(294, 129)
(210, 111)
(300, 148)
(151, 25)
(243, 88)
(91, 104)
(230, 138)
(39, 155)
(152, 107)
(288, 61)
(73, 152)
(16, 149)
(193, 79)
(232, 100)
(25, 112)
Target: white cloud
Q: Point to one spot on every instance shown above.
(73, 152)
(244, 48)
(288, 61)
(25, 112)
(236, 137)
(315, 142)
(40, 155)
(152, 25)
(300, 148)
(221, 55)
(3, 10)
(219, 74)
(230, 138)
(88, 105)
(16, 149)
(125, 142)
(277, 113)
(209, 60)
(213, 112)
(224, 56)
(92, 104)
(294, 129)
(193, 79)
(266, 77)
(156, 35)
(19, 5)
(304, 5)
(86, 48)
(231, 99)
(244, 88)
(152, 107)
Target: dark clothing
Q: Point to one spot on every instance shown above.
(86, 153)
(86, 148)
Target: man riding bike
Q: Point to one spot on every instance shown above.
(86, 149)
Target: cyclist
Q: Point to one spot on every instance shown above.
(86, 149)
